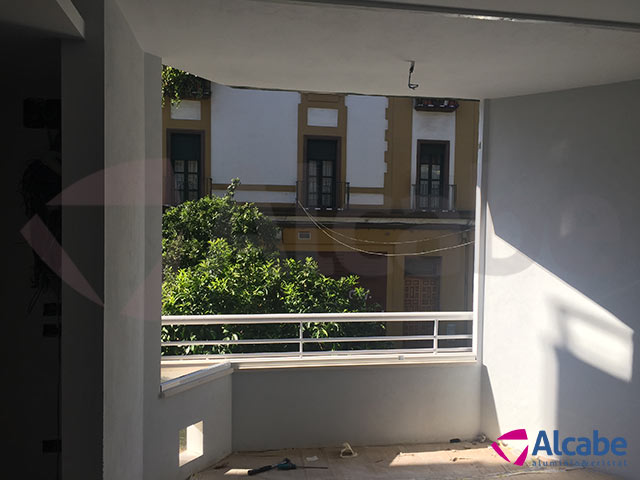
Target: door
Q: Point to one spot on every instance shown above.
(432, 175)
(421, 294)
(321, 159)
(185, 153)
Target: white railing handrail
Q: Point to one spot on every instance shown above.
(266, 318)
(300, 319)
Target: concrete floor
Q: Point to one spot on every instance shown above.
(446, 461)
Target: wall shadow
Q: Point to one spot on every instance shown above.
(561, 183)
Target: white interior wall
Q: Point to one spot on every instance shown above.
(254, 136)
(433, 126)
(320, 407)
(83, 137)
(31, 69)
(560, 346)
(366, 126)
(209, 402)
(124, 196)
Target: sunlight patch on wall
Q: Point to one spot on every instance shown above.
(600, 340)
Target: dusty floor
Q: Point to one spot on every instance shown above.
(401, 462)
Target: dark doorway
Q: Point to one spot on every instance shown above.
(321, 163)
(185, 154)
(432, 178)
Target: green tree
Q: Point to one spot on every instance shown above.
(178, 84)
(220, 257)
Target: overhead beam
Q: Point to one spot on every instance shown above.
(475, 13)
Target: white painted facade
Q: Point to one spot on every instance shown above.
(254, 136)
(366, 198)
(186, 110)
(366, 125)
(322, 117)
(256, 196)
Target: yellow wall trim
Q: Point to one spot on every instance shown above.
(397, 178)
(374, 190)
(317, 100)
(204, 125)
(466, 154)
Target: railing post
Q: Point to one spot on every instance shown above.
(348, 188)
(453, 197)
(414, 199)
(435, 336)
(300, 337)
(298, 194)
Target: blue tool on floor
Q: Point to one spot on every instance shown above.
(286, 464)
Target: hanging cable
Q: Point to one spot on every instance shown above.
(381, 242)
(384, 254)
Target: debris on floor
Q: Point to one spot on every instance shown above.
(466, 460)
(347, 451)
(285, 464)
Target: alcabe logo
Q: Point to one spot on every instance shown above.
(520, 434)
(597, 445)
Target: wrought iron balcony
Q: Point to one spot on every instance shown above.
(331, 196)
(432, 200)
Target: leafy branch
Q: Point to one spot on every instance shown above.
(178, 85)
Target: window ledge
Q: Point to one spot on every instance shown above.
(209, 372)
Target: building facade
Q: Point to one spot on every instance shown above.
(381, 187)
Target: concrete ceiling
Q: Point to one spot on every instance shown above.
(316, 46)
(54, 18)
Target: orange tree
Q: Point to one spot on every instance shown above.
(221, 257)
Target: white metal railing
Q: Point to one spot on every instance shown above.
(302, 319)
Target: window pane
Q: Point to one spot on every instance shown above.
(327, 168)
(321, 149)
(312, 168)
(394, 241)
(185, 146)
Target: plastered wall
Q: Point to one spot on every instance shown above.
(317, 407)
(560, 348)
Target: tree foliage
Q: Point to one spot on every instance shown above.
(220, 257)
(178, 84)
